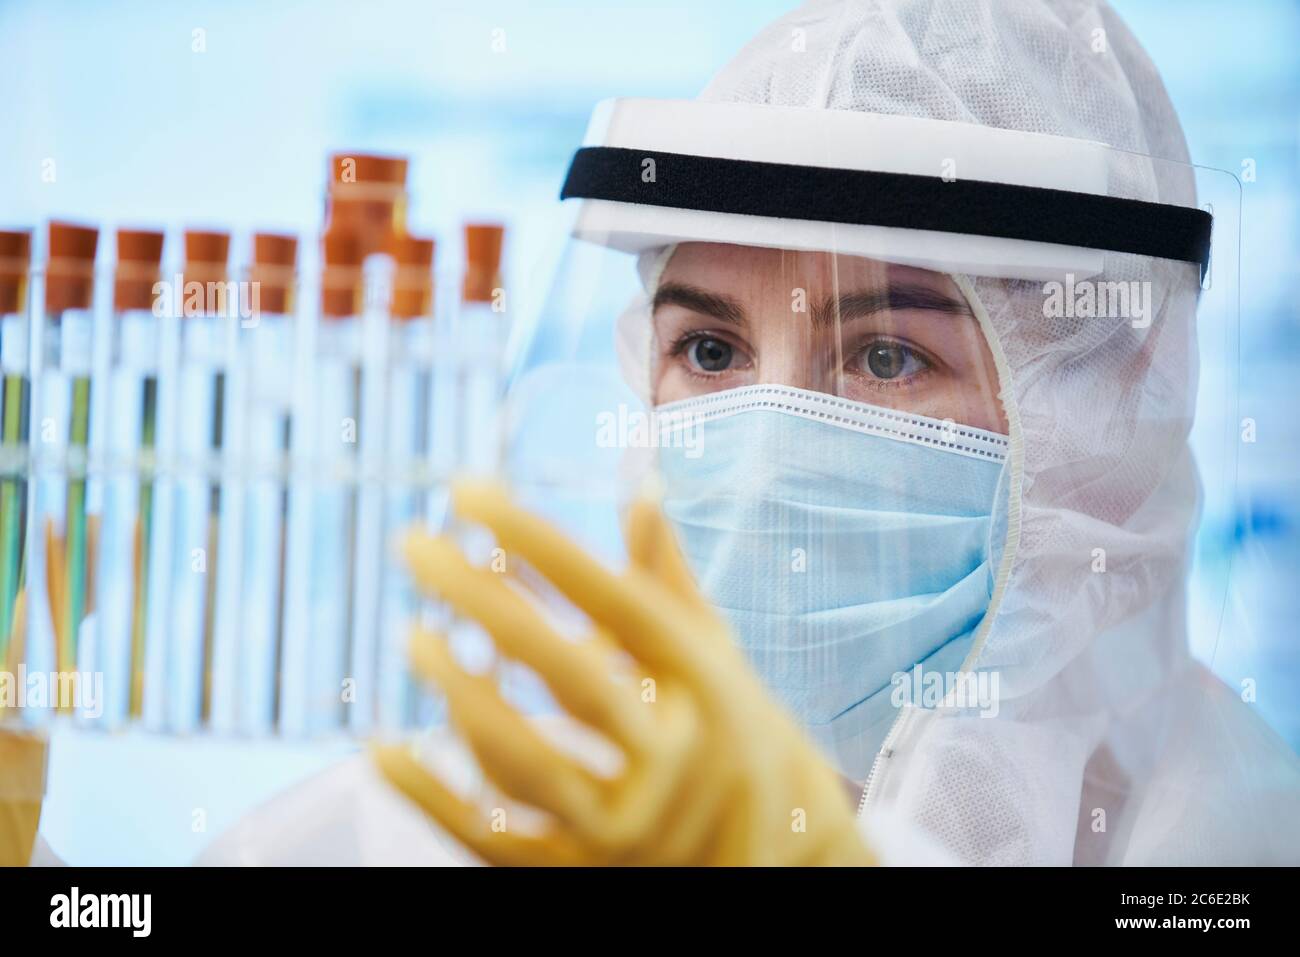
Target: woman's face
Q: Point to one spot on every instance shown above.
(727, 316)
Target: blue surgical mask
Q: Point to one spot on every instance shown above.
(845, 543)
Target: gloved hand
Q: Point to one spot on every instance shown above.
(713, 770)
(22, 787)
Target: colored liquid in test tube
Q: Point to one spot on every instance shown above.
(210, 315)
(15, 432)
(63, 413)
(129, 533)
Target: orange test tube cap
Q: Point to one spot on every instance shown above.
(70, 273)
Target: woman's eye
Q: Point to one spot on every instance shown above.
(710, 355)
(891, 360)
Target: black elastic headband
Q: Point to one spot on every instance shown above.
(906, 200)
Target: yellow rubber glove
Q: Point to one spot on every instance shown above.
(713, 770)
(22, 787)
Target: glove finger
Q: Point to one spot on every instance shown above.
(579, 674)
(464, 822)
(655, 792)
(634, 609)
(652, 545)
(508, 748)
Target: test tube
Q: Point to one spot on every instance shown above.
(267, 349)
(135, 362)
(481, 333)
(67, 368)
(210, 306)
(478, 337)
(413, 351)
(410, 381)
(337, 407)
(15, 432)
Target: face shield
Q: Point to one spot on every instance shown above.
(843, 348)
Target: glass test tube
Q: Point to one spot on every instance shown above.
(15, 432)
(337, 405)
(367, 200)
(410, 373)
(481, 337)
(267, 352)
(129, 532)
(210, 306)
(64, 400)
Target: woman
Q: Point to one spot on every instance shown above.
(908, 458)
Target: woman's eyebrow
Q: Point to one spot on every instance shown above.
(894, 298)
(719, 306)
